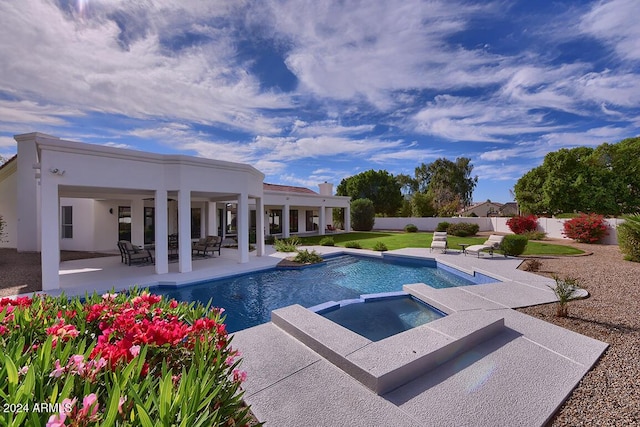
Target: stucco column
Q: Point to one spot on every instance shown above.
(203, 219)
(259, 226)
(243, 227)
(161, 232)
(347, 218)
(285, 221)
(137, 221)
(184, 231)
(322, 223)
(27, 197)
(50, 236)
(212, 219)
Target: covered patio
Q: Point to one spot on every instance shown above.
(67, 170)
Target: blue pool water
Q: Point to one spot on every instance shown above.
(249, 299)
(382, 318)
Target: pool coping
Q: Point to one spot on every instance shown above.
(304, 369)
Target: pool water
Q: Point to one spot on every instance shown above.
(249, 299)
(380, 319)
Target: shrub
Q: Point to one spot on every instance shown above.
(533, 265)
(586, 228)
(353, 245)
(523, 224)
(463, 229)
(306, 257)
(118, 359)
(410, 228)
(629, 237)
(380, 246)
(362, 215)
(442, 226)
(535, 235)
(287, 245)
(327, 241)
(513, 244)
(564, 290)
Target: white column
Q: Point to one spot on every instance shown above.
(27, 197)
(137, 221)
(259, 226)
(285, 221)
(212, 219)
(50, 236)
(161, 233)
(203, 219)
(347, 218)
(322, 223)
(243, 227)
(184, 231)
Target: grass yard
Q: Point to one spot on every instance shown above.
(423, 240)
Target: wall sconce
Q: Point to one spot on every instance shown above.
(111, 211)
(57, 171)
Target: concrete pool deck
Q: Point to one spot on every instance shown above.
(514, 370)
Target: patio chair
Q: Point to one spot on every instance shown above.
(207, 244)
(134, 253)
(123, 254)
(493, 242)
(439, 241)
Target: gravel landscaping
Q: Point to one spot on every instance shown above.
(609, 395)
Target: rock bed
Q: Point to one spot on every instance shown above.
(609, 395)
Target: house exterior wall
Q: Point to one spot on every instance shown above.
(8, 204)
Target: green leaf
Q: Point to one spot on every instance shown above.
(145, 421)
(112, 412)
(12, 372)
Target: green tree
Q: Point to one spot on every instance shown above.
(381, 187)
(362, 215)
(604, 180)
(422, 205)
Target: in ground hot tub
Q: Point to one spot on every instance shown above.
(379, 316)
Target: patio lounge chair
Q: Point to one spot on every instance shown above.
(439, 241)
(134, 253)
(330, 228)
(492, 243)
(207, 244)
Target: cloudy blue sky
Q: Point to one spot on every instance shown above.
(318, 90)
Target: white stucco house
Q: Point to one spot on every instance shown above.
(65, 195)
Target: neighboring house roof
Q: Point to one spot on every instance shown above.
(12, 159)
(478, 204)
(287, 189)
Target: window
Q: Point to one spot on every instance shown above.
(149, 225)
(311, 220)
(124, 223)
(275, 223)
(293, 220)
(67, 222)
(196, 222)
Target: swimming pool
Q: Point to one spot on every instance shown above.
(249, 299)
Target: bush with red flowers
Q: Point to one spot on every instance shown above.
(586, 228)
(117, 359)
(523, 224)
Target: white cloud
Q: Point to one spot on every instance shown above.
(113, 59)
(616, 23)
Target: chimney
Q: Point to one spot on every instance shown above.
(326, 189)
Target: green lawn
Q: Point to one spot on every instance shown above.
(423, 240)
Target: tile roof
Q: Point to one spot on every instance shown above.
(9, 161)
(287, 188)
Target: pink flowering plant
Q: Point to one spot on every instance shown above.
(117, 360)
(585, 228)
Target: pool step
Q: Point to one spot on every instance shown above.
(388, 364)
